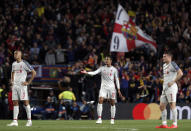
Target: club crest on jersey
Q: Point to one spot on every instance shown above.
(111, 73)
(20, 68)
(166, 70)
(129, 31)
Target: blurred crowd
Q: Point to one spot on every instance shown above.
(78, 33)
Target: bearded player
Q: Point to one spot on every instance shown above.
(171, 73)
(20, 68)
(109, 74)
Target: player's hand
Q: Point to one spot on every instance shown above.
(120, 95)
(11, 83)
(25, 83)
(84, 72)
(170, 83)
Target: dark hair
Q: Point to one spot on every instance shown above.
(108, 56)
(168, 53)
(18, 51)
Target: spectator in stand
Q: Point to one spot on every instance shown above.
(85, 110)
(2, 56)
(42, 54)
(157, 87)
(50, 57)
(62, 111)
(137, 99)
(188, 94)
(124, 84)
(53, 97)
(181, 98)
(144, 93)
(34, 51)
(75, 111)
(60, 54)
(133, 85)
(49, 111)
(68, 98)
(6, 71)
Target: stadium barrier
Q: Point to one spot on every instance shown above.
(143, 111)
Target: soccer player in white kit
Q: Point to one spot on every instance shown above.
(20, 68)
(171, 74)
(109, 74)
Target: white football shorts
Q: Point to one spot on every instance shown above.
(20, 93)
(107, 93)
(169, 94)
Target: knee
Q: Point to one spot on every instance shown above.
(15, 103)
(100, 100)
(112, 102)
(172, 106)
(162, 108)
(26, 103)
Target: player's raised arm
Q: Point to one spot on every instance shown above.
(92, 72)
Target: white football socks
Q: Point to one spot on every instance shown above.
(15, 112)
(113, 110)
(99, 110)
(28, 111)
(164, 115)
(174, 116)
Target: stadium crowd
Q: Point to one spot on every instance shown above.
(78, 33)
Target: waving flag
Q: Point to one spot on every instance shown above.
(127, 36)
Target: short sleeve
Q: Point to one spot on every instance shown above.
(28, 67)
(175, 66)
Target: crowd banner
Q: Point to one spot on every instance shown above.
(50, 73)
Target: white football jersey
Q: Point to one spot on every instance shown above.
(108, 76)
(20, 71)
(169, 72)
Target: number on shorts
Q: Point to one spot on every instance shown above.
(171, 97)
(113, 95)
(23, 96)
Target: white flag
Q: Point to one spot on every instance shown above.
(126, 35)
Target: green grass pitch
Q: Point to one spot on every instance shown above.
(89, 125)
